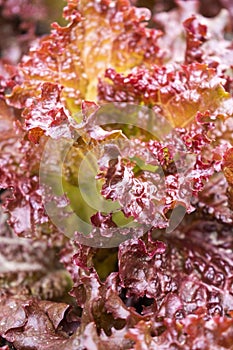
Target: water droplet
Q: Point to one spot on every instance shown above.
(209, 274)
(179, 314)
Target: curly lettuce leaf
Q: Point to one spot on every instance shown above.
(228, 172)
(178, 92)
(193, 37)
(62, 59)
(212, 201)
(98, 35)
(166, 285)
(159, 289)
(192, 332)
(34, 324)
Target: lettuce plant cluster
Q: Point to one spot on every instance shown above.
(160, 289)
